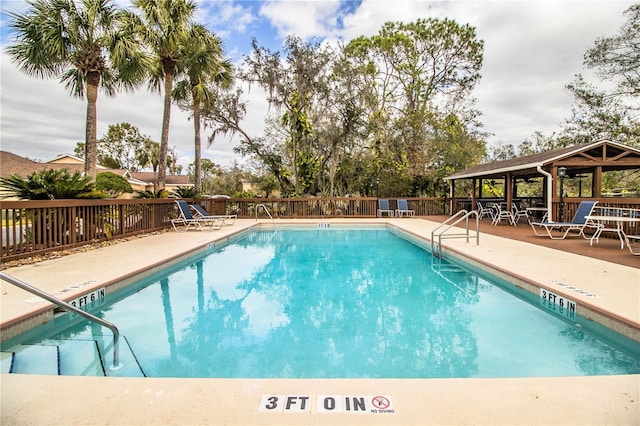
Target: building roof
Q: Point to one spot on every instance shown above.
(11, 164)
(68, 159)
(620, 157)
(170, 179)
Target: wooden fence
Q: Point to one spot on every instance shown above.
(329, 207)
(35, 227)
(31, 228)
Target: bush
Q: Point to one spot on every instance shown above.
(245, 194)
(162, 193)
(186, 192)
(50, 184)
(115, 185)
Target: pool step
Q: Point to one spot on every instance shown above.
(35, 359)
(456, 276)
(78, 357)
(128, 367)
(6, 362)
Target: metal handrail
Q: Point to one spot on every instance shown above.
(266, 210)
(460, 216)
(61, 303)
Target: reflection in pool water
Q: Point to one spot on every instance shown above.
(345, 303)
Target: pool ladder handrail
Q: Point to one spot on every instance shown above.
(268, 214)
(64, 305)
(460, 216)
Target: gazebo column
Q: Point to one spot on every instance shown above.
(473, 193)
(452, 196)
(556, 192)
(597, 182)
(508, 187)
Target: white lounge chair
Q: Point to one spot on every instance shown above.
(383, 207)
(577, 224)
(629, 239)
(187, 219)
(403, 208)
(227, 219)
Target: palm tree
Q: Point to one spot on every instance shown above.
(80, 43)
(164, 28)
(202, 64)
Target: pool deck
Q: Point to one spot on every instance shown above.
(35, 399)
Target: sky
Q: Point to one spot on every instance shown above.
(532, 50)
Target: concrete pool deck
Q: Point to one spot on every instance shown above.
(34, 399)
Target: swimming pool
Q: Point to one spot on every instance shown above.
(337, 302)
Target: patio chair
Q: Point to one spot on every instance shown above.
(577, 224)
(200, 212)
(517, 213)
(501, 214)
(189, 221)
(383, 207)
(484, 211)
(403, 208)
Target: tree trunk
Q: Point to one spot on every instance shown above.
(166, 119)
(198, 145)
(91, 138)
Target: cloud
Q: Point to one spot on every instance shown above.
(532, 50)
(227, 17)
(306, 19)
(39, 119)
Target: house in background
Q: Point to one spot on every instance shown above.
(69, 159)
(11, 164)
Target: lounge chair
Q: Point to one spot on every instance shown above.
(628, 239)
(403, 208)
(578, 223)
(187, 219)
(383, 207)
(227, 219)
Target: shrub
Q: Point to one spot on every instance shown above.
(115, 185)
(186, 192)
(50, 184)
(162, 193)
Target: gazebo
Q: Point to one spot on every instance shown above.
(587, 161)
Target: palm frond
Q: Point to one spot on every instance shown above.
(50, 184)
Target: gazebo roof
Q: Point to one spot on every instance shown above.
(609, 155)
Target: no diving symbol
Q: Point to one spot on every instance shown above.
(380, 402)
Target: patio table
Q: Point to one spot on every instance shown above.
(532, 213)
(605, 224)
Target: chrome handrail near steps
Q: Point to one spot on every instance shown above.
(61, 303)
(268, 214)
(458, 217)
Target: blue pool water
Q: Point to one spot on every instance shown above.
(340, 303)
